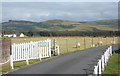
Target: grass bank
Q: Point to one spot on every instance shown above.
(113, 65)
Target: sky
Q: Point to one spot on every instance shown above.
(60, 0)
(73, 11)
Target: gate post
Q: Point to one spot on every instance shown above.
(11, 57)
(49, 48)
(58, 49)
(39, 50)
(55, 46)
(26, 55)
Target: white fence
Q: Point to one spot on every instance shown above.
(103, 61)
(31, 50)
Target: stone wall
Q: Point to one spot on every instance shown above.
(5, 50)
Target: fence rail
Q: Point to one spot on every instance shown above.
(31, 50)
(102, 62)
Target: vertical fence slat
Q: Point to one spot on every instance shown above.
(16, 51)
(20, 51)
(24, 50)
(49, 48)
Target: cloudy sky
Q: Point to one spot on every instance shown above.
(74, 11)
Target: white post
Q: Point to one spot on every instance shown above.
(55, 46)
(102, 62)
(11, 61)
(20, 51)
(26, 54)
(45, 49)
(49, 48)
(105, 58)
(13, 47)
(111, 50)
(18, 54)
(39, 50)
(99, 64)
(96, 70)
(11, 57)
(58, 50)
(31, 49)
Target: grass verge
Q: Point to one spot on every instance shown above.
(19, 64)
(113, 65)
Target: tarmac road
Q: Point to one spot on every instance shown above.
(74, 63)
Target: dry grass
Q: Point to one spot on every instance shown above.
(68, 44)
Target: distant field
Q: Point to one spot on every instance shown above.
(68, 44)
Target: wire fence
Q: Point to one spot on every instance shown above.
(69, 44)
(72, 44)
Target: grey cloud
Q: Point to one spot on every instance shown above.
(42, 11)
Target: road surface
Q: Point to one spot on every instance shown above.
(75, 63)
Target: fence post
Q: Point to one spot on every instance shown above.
(106, 40)
(58, 49)
(98, 41)
(39, 50)
(50, 48)
(111, 50)
(11, 57)
(105, 58)
(31, 48)
(76, 43)
(26, 54)
(99, 64)
(102, 62)
(55, 46)
(92, 41)
(11, 61)
(67, 44)
(95, 70)
(84, 43)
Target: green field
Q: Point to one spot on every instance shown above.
(66, 44)
(61, 25)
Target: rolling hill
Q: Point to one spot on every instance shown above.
(60, 25)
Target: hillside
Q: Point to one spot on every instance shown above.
(60, 25)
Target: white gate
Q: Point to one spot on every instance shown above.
(31, 50)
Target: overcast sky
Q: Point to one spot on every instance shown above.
(74, 11)
(60, 0)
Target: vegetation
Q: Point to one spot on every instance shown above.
(74, 33)
(67, 45)
(17, 65)
(113, 66)
(60, 25)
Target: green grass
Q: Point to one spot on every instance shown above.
(113, 65)
(19, 64)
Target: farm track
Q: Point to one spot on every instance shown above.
(74, 63)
